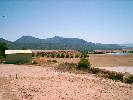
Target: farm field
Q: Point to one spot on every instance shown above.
(59, 60)
(96, 60)
(30, 82)
(111, 60)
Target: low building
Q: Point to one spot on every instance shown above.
(18, 56)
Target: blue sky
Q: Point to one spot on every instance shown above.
(102, 21)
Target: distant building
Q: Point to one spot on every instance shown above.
(18, 56)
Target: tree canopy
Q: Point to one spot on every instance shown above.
(3, 47)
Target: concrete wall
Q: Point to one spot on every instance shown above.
(18, 58)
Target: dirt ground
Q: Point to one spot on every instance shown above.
(30, 82)
(96, 60)
(111, 60)
(59, 60)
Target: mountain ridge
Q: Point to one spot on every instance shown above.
(58, 42)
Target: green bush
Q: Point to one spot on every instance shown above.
(94, 70)
(42, 54)
(77, 56)
(115, 76)
(3, 47)
(108, 74)
(62, 55)
(48, 55)
(1, 57)
(83, 64)
(81, 56)
(58, 55)
(71, 56)
(52, 55)
(85, 55)
(67, 55)
(129, 79)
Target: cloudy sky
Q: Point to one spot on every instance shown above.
(104, 21)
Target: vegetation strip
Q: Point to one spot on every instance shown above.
(85, 66)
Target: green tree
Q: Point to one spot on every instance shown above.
(48, 55)
(67, 55)
(3, 47)
(76, 56)
(53, 55)
(71, 56)
(62, 55)
(42, 54)
(1, 57)
(58, 55)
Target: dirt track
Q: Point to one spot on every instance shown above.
(44, 83)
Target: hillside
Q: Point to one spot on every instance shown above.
(130, 45)
(57, 43)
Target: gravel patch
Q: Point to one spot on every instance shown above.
(45, 83)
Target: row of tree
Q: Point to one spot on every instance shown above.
(59, 55)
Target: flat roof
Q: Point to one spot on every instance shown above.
(17, 51)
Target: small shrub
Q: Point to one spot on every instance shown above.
(81, 56)
(58, 55)
(52, 61)
(77, 56)
(67, 55)
(129, 79)
(42, 54)
(113, 75)
(62, 55)
(83, 64)
(119, 76)
(94, 70)
(107, 74)
(52, 55)
(71, 56)
(48, 55)
(85, 55)
(34, 62)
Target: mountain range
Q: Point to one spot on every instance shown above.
(129, 45)
(30, 42)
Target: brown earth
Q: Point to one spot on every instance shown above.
(110, 60)
(59, 60)
(29, 82)
(96, 60)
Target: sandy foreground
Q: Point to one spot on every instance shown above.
(29, 82)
